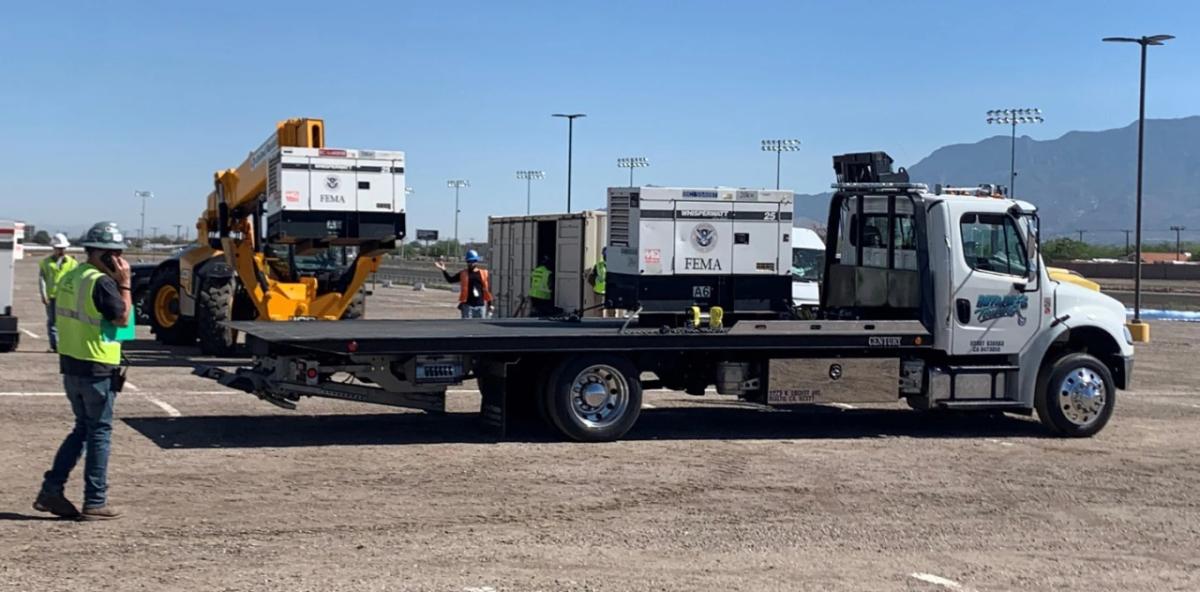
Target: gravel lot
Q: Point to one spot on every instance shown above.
(225, 492)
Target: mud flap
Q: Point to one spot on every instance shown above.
(493, 380)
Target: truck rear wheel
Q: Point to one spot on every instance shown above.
(214, 307)
(1076, 395)
(162, 304)
(594, 398)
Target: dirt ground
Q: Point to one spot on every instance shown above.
(225, 492)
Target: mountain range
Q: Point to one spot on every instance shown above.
(1079, 181)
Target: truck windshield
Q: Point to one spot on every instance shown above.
(807, 264)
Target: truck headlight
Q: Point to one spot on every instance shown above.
(1128, 335)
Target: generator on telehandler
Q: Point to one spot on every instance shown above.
(291, 234)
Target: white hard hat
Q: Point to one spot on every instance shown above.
(60, 241)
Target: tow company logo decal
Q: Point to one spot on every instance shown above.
(995, 306)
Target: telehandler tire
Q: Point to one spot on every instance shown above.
(214, 306)
(167, 323)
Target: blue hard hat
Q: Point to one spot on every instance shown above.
(472, 256)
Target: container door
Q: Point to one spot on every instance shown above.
(703, 237)
(568, 265)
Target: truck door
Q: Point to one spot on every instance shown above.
(568, 265)
(990, 312)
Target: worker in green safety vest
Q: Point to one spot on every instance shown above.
(93, 301)
(541, 294)
(50, 270)
(598, 278)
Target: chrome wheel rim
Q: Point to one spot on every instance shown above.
(599, 396)
(1082, 395)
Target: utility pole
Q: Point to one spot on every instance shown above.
(779, 147)
(177, 228)
(1013, 117)
(1137, 262)
(456, 185)
(1178, 249)
(1081, 234)
(1126, 231)
(571, 117)
(153, 232)
(529, 176)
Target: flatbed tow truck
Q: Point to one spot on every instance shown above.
(938, 299)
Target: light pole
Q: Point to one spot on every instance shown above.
(1126, 231)
(177, 228)
(779, 147)
(143, 195)
(1178, 249)
(1013, 117)
(632, 162)
(456, 185)
(528, 177)
(1137, 261)
(571, 117)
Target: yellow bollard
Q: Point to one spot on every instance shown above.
(1139, 331)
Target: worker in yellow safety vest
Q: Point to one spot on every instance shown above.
(541, 294)
(50, 270)
(93, 301)
(598, 278)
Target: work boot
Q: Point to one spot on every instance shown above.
(104, 512)
(58, 505)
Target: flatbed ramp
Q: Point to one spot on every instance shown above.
(541, 335)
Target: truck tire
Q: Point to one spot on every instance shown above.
(167, 323)
(1075, 395)
(214, 306)
(594, 398)
(357, 308)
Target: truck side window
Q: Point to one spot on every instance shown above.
(991, 243)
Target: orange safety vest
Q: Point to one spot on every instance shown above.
(464, 281)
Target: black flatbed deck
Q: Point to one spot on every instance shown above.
(497, 336)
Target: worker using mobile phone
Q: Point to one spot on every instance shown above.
(93, 300)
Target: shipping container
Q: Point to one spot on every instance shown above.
(572, 242)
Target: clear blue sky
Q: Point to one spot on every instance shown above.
(97, 102)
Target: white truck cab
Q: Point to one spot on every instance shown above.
(966, 264)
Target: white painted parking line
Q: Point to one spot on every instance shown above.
(30, 333)
(171, 411)
(648, 406)
(938, 581)
(29, 394)
(131, 386)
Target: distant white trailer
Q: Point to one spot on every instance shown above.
(571, 242)
(12, 248)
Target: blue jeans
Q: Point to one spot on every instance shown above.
(92, 401)
(474, 312)
(51, 330)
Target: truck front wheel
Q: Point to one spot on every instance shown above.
(1076, 395)
(594, 398)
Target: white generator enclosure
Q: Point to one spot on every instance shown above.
(671, 248)
(570, 243)
(342, 196)
(12, 241)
